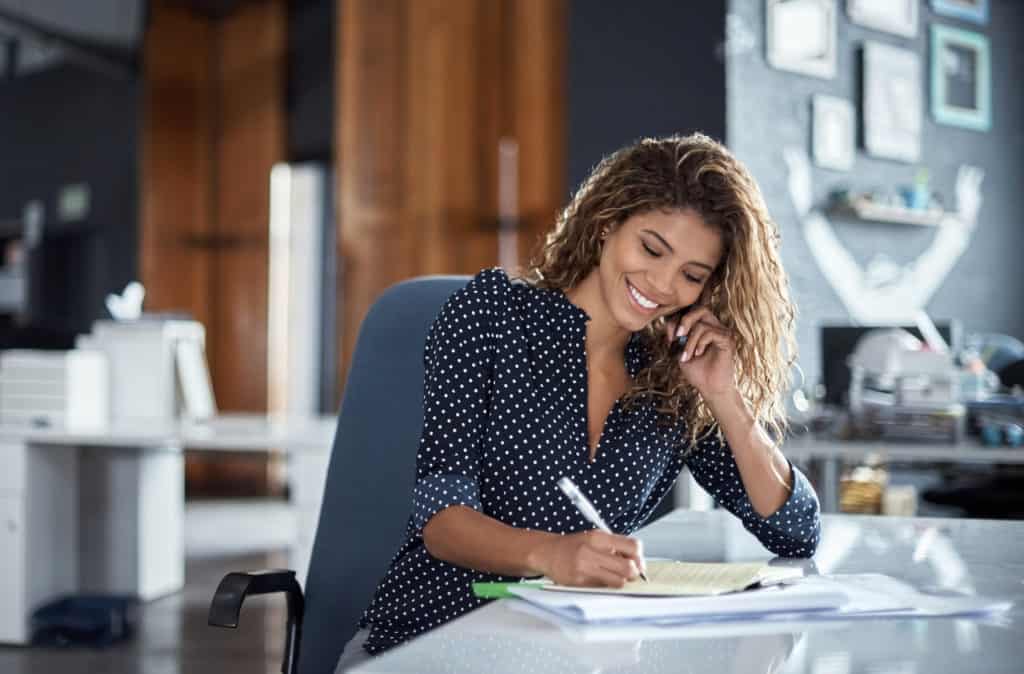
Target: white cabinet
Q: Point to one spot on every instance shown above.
(13, 623)
(38, 532)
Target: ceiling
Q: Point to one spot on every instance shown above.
(101, 34)
(42, 33)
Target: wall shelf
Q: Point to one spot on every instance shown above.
(862, 209)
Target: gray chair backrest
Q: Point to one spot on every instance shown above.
(368, 493)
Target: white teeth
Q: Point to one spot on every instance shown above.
(641, 300)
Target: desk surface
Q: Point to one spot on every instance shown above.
(985, 557)
(225, 432)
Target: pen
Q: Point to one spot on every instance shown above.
(585, 507)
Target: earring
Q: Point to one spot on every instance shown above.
(604, 233)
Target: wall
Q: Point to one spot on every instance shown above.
(770, 109)
(67, 125)
(644, 68)
(426, 89)
(309, 96)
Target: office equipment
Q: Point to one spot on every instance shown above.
(154, 345)
(369, 483)
(839, 341)
(54, 389)
(587, 509)
(899, 389)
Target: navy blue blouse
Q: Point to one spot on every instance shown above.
(505, 416)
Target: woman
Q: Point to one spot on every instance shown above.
(571, 372)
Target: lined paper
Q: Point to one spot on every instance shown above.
(668, 578)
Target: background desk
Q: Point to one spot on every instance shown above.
(104, 512)
(985, 557)
(830, 455)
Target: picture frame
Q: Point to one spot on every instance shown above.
(899, 17)
(961, 78)
(892, 102)
(833, 136)
(975, 11)
(800, 36)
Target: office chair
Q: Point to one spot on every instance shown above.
(368, 493)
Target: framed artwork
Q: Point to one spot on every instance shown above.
(892, 103)
(833, 141)
(892, 16)
(961, 78)
(801, 36)
(968, 10)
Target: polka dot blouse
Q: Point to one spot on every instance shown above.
(505, 416)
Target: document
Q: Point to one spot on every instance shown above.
(669, 578)
(812, 598)
(609, 608)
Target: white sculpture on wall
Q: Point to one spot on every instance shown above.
(884, 293)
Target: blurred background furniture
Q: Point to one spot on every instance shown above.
(103, 512)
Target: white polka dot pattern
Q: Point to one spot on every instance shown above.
(505, 417)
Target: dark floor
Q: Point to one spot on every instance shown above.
(173, 637)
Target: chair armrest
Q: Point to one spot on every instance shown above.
(236, 586)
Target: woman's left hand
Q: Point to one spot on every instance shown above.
(707, 360)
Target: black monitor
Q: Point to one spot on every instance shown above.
(839, 341)
(64, 277)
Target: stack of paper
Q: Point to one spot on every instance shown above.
(583, 607)
(693, 593)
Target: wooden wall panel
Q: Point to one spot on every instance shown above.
(427, 88)
(539, 28)
(176, 163)
(370, 135)
(213, 126)
(250, 139)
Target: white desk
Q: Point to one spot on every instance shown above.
(980, 556)
(831, 453)
(104, 512)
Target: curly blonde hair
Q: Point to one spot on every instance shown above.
(748, 291)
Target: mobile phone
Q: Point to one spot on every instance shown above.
(679, 343)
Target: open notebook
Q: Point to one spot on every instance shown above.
(668, 578)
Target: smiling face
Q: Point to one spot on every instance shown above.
(654, 264)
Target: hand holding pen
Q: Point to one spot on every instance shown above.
(627, 548)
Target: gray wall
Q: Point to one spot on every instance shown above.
(641, 68)
(68, 125)
(769, 109)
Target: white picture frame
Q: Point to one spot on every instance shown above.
(892, 103)
(800, 36)
(833, 135)
(899, 17)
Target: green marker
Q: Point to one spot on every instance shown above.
(499, 590)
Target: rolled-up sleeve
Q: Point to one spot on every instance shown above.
(458, 363)
(791, 531)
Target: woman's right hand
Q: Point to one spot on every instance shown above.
(591, 559)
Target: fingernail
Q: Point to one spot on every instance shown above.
(700, 350)
(686, 356)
